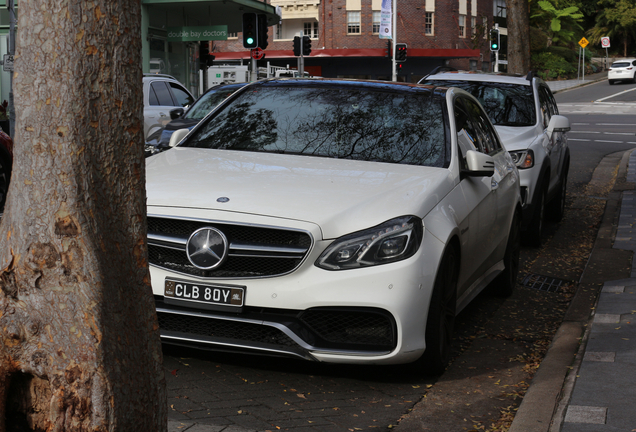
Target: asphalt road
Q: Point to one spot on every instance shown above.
(498, 345)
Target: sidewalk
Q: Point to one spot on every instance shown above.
(557, 86)
(589, 387)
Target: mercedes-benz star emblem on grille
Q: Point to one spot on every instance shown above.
(207, 248)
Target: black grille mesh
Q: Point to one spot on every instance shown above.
(351, 327)
(233, 330)
(234, 266)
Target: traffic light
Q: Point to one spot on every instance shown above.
(250, 30)
(205, 58)
(494, 39)
(297, 46)
(262, 31)
(306, 45)
(400, 52)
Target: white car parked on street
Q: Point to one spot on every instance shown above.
(527, 119)
(331, 220)
(162, 93)
(622, 70)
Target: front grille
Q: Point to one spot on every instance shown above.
(352, 327)
(253, 251)
(221, 329)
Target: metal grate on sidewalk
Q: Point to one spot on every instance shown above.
(544, 283)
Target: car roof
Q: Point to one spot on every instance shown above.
(350, 83)
(481, 76)
(624, 60)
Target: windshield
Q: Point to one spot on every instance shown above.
(506, 104)
(208, 102)
(337, 122)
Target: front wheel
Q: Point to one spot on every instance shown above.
(556, 208)
(533, 235)
(441, 316)
(505, 283)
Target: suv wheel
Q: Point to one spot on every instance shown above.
(556, 208)
(504, 284)
(534, 232)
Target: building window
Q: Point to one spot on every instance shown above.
(462, 26)
(311, 29)
(376, 22)
(278, 32)
(473, 25)
(232, 35)
(428, 23)
(353, 22)
(485, 24)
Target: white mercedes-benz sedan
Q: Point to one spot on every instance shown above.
(332, 220)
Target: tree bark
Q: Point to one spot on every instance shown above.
(79, 339)
(518, 23)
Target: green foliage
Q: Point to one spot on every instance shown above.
(551, 66)
(538, 39)
(616, 19)
(569, 55)
(558, 19)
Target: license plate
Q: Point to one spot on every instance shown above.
(203, 293)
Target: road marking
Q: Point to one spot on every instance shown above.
(611, 142)
(575, 139)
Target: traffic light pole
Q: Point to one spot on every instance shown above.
(301, 59)
(394, 32)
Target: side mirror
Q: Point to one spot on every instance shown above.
(178, 136)
(479, 164)
(558, 123)
(176, 113)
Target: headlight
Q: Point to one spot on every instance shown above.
(523, 158)
(394, 240)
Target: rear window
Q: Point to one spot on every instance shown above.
(336, 122)
(621, 64)
(505, 104)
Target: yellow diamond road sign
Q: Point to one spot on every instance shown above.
(583, 42)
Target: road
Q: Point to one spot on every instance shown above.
(498, 343)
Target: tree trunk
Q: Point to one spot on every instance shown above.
(79, 339)
(518, 22)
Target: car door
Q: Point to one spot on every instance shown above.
(477, 228)
(163, 96)
(553, 143)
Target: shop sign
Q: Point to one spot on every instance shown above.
(188, 34)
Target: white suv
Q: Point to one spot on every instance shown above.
(162, 93)
(622, 70)
(525, 115)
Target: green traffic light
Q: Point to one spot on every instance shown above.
(250, 40)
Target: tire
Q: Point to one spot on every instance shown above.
(504, 285)
(611, 82)
(441, 316)
(534, 232)
(556, 207)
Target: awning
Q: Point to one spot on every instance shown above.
(362, 52)
(210, 12)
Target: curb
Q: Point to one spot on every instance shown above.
(544, 405)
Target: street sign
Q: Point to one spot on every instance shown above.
(257, 53)
(7, 63)
(605, 42)
(584, 42)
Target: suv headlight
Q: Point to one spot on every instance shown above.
(394, 240)
(523, 158)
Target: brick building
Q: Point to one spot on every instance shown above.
(346, 43)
